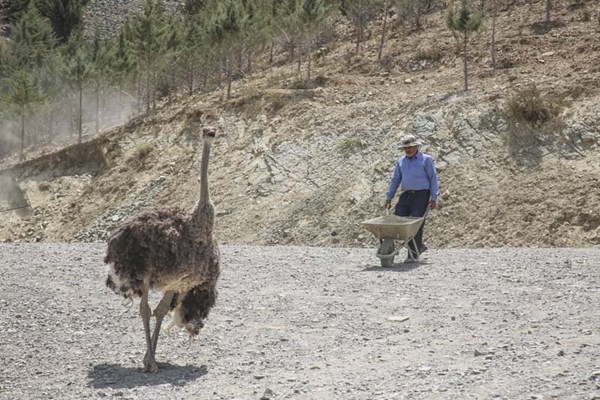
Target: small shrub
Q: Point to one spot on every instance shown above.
(585, 15)
(321, 81)
(277, 80)
(529, 107)
(276, 101)
(350, 145)
(298, 83)
(432, 54)
(249, 105)
(140, 154)
(534, 125)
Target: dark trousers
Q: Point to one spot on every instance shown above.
(413, 203)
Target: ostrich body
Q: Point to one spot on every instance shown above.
(169, 250)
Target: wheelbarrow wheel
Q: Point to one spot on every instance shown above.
(386, 253)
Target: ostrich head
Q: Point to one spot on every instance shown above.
(209, 133)
(193, 307)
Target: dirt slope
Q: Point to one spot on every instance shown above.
(292, 169)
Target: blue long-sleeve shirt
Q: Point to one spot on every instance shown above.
(416, 173)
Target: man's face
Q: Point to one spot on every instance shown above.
(410, 151)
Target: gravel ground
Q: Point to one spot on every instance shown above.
(312, 323)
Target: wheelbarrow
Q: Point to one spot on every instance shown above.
(390, 228)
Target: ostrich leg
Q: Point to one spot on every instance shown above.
(159, 313)
(149, 362)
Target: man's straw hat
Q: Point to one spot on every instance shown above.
(409, 141)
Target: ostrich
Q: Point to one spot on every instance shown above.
(172, 251)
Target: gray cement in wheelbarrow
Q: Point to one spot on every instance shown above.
(312, 323)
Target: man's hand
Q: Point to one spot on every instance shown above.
(387, 205)
(433, 204)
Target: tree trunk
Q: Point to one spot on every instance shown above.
(249, 71)
(309, 65)
(120, 98)
(22, 153)
(140, 98)
(229, 77)
(240, 60)
(154, 78)
(494, 15)
(169, 88)
(359, 34)
(383, 28)
(80, 116)
(299, 64)
(271, 52)
(148, 88)
(418, 16)
(465, 62)
(191, 73)
(548, 10)
(292, 49)
(97, 122)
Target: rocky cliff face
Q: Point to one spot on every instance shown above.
(295, 169)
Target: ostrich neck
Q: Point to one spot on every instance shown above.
(204, 196)
(202, 219)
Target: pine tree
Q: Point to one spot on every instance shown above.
(99, 58)
(6, 60)
(360, 13)
(493, 47)
(173, 48)
(193, 7)
(413, 10)
(288, 22)
(122, 59)
(22, 96)
(32, 39)
(149, 31)
(195, 52)
(78, 72)
(312, 15)
(65, 16)
(255, 27)
(225, 33)
(386, 6)
(15, 9)
(463, 21)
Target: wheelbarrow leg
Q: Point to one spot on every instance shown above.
(387, 252)
(413, 256)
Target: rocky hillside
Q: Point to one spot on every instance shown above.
(295, 169)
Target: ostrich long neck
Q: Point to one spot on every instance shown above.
(204, 196)
(203, 216)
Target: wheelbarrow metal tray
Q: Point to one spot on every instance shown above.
(393, 227)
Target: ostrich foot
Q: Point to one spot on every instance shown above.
(149, 364)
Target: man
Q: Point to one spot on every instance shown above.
(416, 172)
